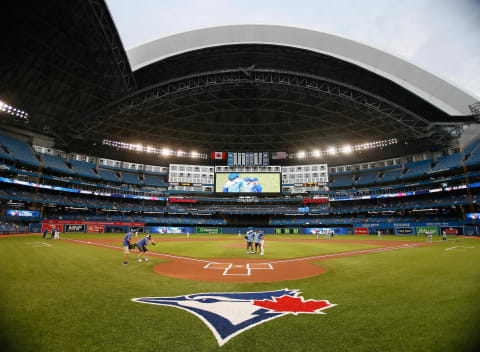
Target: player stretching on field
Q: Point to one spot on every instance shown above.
(141, 247)
(127, 241)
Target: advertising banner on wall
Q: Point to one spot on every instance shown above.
(50, 227)
(427, 230)
(95, 228)
(282, 231)
(79, 222)
(360, 231)
(167, 229)
(404, 230)
(326, 230)
(451, 230)
(16, 212)
(74, 228)
(214, 230)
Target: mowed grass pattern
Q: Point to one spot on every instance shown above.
(237, 248)
(71, 297)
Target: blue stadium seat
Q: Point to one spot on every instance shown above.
(474, 158)
(132, 179)
(417, 168)
(108, 175)
(390, 176)
(83, 168)
(19, 150)
(448, 162)
(151, 180)
(472, 147)
(55, 163)
(342, 181)
(4, 154)
(367, 179)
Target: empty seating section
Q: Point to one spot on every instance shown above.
(83, 168)
(151, 180)
(4, 154)
(108, 175)
(367, 179)
(448, 162)
(55, 163)
(132, 179)
(342, 181)
(474, 158)
(390, 176)
(417, 168)
(475, 146)
(19, 150)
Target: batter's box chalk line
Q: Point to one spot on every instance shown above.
(230, 269)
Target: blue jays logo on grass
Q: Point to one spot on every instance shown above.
(229, 314)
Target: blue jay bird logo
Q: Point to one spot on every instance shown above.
(229, 314)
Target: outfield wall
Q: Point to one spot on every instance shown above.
(414, 228)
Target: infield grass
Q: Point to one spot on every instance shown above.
(71, 297)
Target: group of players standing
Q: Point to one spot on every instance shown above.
(256, 237)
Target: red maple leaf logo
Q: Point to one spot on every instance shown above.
(295, 305)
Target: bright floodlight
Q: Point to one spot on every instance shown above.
(179, 153)
(347, 149)
(317, 153)
(194, 154)
(301, 155)
(332, 151)
(165, 151)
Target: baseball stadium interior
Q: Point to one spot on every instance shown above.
(88, 139)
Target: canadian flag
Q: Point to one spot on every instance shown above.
(219, 155)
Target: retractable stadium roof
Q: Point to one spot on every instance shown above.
(238, 88)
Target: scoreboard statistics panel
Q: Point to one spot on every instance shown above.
(247, 182)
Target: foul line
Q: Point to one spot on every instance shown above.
(150, 253)
(373, 250)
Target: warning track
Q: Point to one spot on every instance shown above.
(253, 269)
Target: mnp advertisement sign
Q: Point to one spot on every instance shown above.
(74, 228)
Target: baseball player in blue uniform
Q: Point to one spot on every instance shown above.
(257, 187)
(247, 185)
(141, 245)
(250, 237)
(234, 183)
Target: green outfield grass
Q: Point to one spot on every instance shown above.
(70, 297)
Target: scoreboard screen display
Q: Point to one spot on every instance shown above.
(247, 182)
